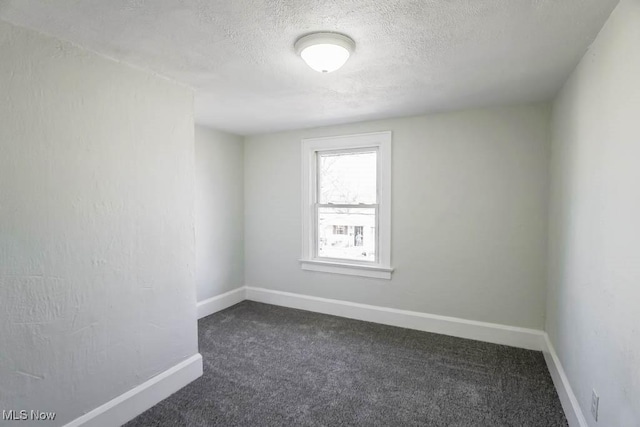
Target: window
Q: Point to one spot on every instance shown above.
(346, 194)
(346, 204)
(339, 229)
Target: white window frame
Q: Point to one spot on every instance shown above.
(381, 142)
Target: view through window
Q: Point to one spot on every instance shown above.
(347, 207)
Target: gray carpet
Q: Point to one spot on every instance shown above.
(272, 366)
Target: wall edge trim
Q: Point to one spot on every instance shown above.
(132, 403)
(568, 399)
(531, 339)
(220, 302)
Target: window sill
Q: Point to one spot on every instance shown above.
(376, 272)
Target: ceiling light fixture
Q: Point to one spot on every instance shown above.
(325, 52)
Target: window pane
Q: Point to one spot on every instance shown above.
(347, 178)
(347, 233)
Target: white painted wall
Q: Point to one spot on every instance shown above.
(593, 311)
(97, 246)
(469, 216)
(219, 212)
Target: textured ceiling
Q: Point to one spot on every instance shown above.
(412, 56)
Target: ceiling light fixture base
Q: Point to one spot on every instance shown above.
(325, 52)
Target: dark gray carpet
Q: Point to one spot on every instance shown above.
(272, 366)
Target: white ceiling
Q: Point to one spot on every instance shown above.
(412, 56)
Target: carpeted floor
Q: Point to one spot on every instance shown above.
(272, 366)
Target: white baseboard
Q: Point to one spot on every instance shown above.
(570, 404)
(220, 302)
(137, 400)
(530, 339)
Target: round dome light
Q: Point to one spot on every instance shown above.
(325, 52)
